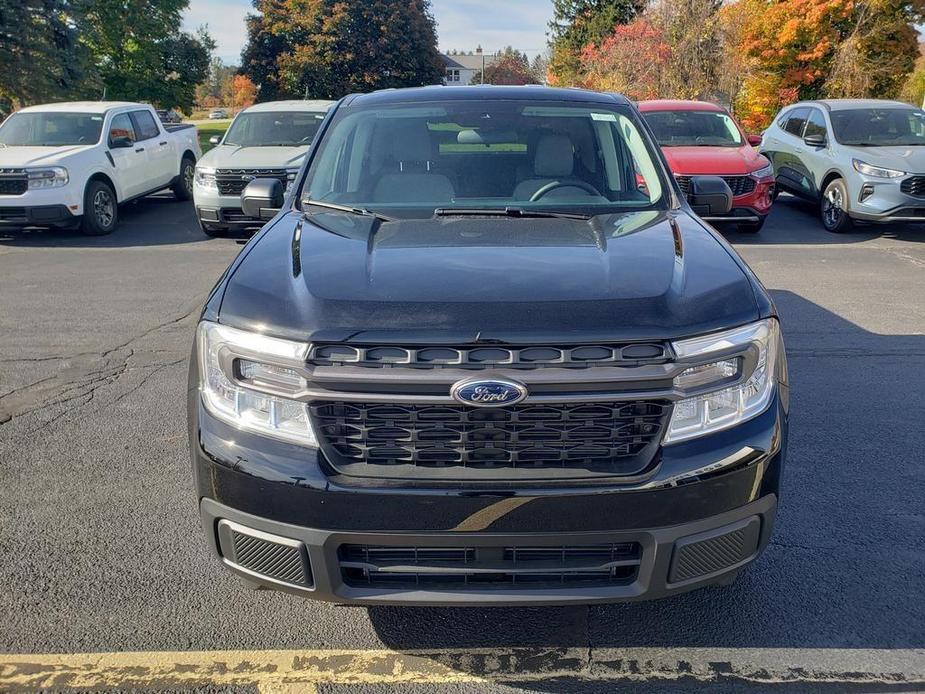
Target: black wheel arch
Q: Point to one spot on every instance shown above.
(100, 176)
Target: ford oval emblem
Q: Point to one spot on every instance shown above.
(489, 393)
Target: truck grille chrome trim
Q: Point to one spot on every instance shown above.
(482, 356)
(522, 442)
(233, 181)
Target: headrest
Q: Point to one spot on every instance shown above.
(411, 142)
(555, 156)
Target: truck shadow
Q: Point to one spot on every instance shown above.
(795, 221)
(157, 220)
(844, 569)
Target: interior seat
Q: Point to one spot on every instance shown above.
(554, 162)
(408, 176)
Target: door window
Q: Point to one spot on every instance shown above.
(121, 126)
(796, 119)
(815, 124)
(145, 125)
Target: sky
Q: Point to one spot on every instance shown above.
(461, 24)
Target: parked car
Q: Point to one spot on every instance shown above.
(858, 159)
(169, 116)
(74, 163)
(700, 138)
(218, 114)
(486, 353)
(266, 140)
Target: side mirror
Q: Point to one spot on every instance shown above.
(815, 140)
(709, 196)
(121, 142)
(262, 198)
(214, 140)
(754, 140)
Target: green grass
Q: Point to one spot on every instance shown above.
(207, 130)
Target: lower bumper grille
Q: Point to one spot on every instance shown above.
(489, 567)
(914, 185)
(455, 441)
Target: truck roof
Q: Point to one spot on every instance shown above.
(529, 92)
(84, 106)
(291, 105)
(677, 105)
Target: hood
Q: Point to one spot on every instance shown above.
(641, 275)
(721, 161)
(37, 156)
(232, 156)
(904, 158)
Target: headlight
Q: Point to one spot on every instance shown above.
(291, 175)
(205, 177)
(729, 389)
(764, 172)
(876, 171)
(53, 177)
(252, 382)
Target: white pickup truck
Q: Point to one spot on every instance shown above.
(72, 164)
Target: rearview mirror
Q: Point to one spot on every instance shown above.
(815, 140)
(262, 198)
(214, 140)
(121, 142)
(754, 140)
(709, 196)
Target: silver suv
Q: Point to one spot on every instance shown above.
(858, 158)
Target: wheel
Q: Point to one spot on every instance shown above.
(183, 186)
(833, 207)
(101, 211)
(752, 227)
(211, 231)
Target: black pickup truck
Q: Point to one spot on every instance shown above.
(484, 352)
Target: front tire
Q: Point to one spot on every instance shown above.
(101, 210)
(833, 208)
(183, 186)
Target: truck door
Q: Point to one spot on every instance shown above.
(161, 160)
(128, 163)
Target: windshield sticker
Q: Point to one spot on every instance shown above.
(604, 117)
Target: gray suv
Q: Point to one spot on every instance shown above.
(858, 158)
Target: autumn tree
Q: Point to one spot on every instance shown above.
(239, 92)
(634, 60)
(577, 24)
(328, 48)
(509, 66)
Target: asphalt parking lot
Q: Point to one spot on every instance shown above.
(101, 550)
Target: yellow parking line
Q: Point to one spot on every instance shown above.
(297, 672)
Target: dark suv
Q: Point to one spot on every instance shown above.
(485, 353)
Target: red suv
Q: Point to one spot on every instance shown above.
(700, 138)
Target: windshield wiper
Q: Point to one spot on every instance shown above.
(507, 212)
(362, 211)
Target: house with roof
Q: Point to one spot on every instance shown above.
(462, 68)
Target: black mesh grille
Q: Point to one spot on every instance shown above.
(612, 437)
(914, 185)
(283, 562)
(13, 186)
(481, 357)
(233, 181)
(739, 185)
(489, 567)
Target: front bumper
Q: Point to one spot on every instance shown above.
(883, 200)
(34, 215)
(721, 489)
(218, 210)
(751, 207)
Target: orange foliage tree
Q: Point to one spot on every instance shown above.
(633, 60)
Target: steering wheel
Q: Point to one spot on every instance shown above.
(555, 185)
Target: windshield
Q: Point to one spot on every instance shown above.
(693, 129)
(51, 129)
(879, 127)
(278, 128)
(412, 160)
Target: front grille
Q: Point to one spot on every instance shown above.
(914, 185)
(13, 181)
(608, 438)
(489, 567)
(739, 185)
(482, 357)
(233, 181)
